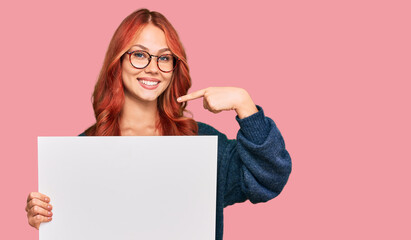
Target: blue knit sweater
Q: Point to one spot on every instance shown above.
(254, 167)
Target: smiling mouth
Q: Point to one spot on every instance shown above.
(148, 83)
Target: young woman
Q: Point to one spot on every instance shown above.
(142, 90)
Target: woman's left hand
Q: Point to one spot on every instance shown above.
(217, 99)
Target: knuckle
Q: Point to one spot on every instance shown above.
(34, 201)
(29, 206)
(33, 210)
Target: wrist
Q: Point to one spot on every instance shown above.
(246, 106)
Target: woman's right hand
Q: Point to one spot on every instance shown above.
(38, 209)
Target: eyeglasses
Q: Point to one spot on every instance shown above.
(141, 59)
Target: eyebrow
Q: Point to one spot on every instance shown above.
(146, 49)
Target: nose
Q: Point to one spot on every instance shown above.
(152, 66)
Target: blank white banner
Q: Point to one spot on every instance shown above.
(129, 187)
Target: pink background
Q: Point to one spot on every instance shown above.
(334, 76)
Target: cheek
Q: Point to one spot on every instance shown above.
(168, 79)
(127, 79)
(124, 78)
(129, 73)
(123, 71)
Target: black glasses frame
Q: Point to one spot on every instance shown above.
(151, 56)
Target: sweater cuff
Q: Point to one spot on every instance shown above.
(254, 127)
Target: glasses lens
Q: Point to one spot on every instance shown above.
(139, 59)
(166, 62)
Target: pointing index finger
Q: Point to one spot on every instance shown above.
(191, 96)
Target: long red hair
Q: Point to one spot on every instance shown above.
(108, 96)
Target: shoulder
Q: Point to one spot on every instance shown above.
(205, 129)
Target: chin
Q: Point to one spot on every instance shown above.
(149, 98)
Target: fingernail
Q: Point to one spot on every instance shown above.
(179, 99)
(46, 199)
(49, 206)
(49, 213)
(49, 218)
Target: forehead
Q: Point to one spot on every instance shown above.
(151, 37)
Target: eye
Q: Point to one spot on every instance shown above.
(139, 55)
(165, 58)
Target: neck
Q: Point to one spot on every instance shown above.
(138, 118)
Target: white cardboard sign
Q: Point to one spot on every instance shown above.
(129, 187)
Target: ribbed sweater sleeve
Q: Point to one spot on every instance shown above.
(256, 165)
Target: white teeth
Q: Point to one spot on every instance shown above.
(149, 83)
